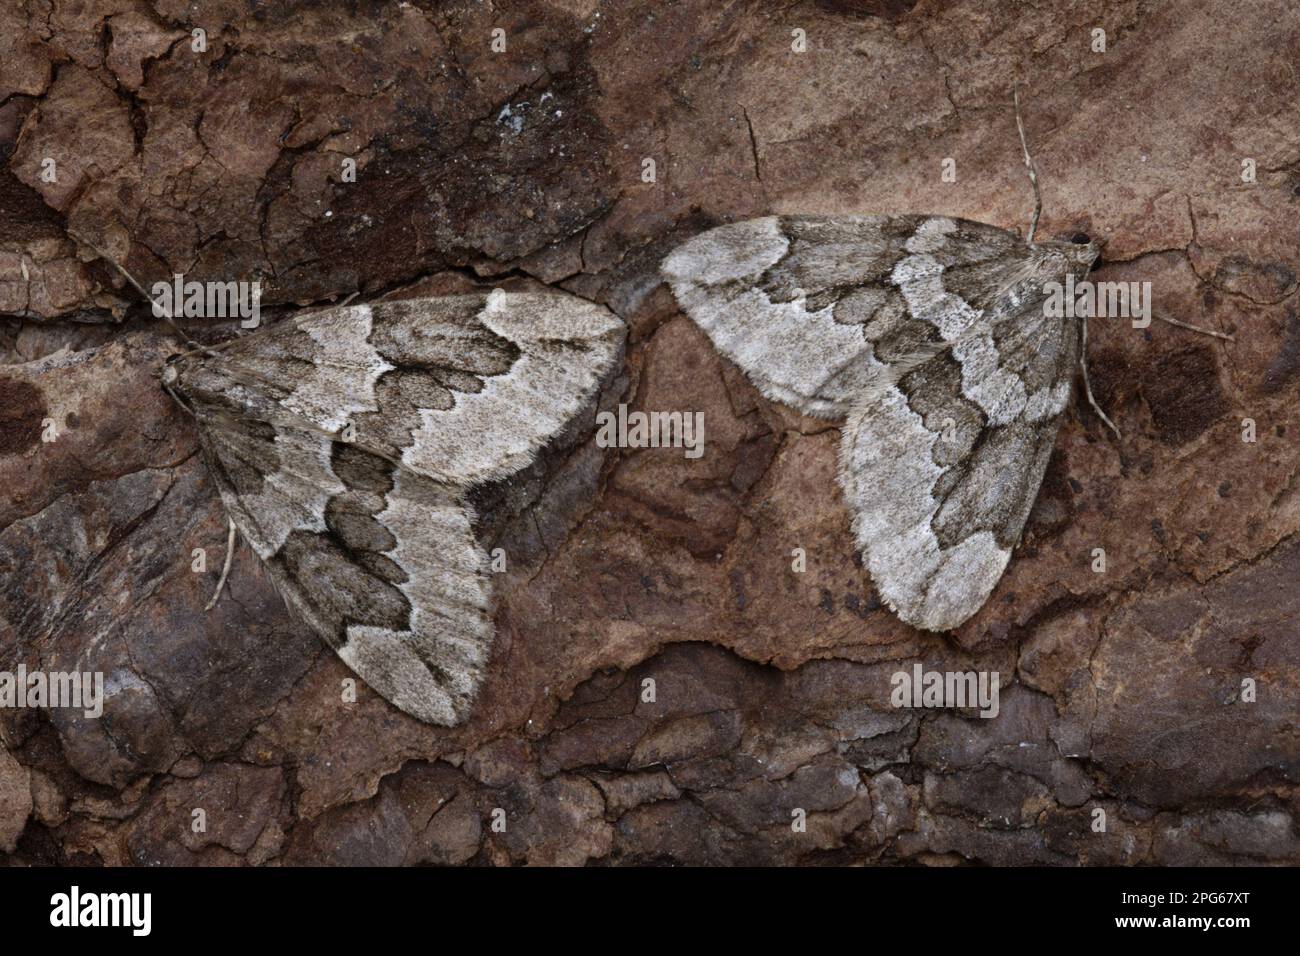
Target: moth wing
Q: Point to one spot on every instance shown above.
(941, 467)
(380, 562)
(816, 310)
(462, 389)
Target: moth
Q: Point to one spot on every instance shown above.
(928, 338)
(346, 444)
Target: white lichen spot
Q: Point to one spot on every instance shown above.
(509, 118)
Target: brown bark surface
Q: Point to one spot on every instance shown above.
(1121, 690)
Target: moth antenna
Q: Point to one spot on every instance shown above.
(1087, 384)
(225, 567)
(1193, 328)
(1029, 164)
(166, 313)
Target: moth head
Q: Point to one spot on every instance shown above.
(171, 374)
(171, 378)
(1086, 248)
(1083, 255)
(1079, 252)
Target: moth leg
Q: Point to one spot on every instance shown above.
(1029, 164)
(1087, 385)
(1193, 328)
(225, 567)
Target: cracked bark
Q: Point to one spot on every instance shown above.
(771, 688)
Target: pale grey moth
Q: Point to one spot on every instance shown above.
(928, 338)
(346, 443)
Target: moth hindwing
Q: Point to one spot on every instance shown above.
(347, 442)
(927, 337)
